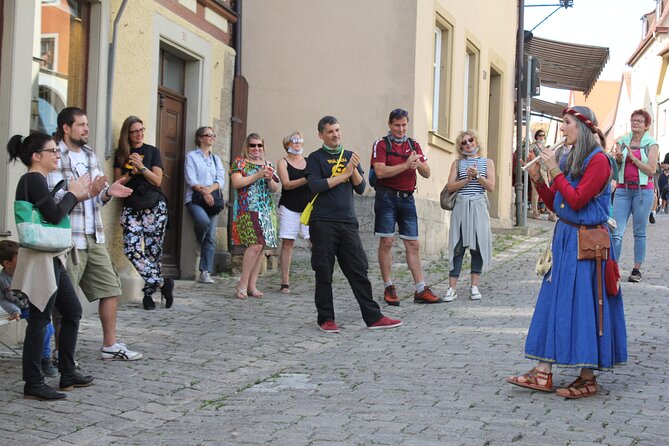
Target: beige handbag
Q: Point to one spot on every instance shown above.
(545, 260)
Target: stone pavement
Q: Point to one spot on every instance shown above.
(219, 371)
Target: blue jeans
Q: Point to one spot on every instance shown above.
(390, 209)
(458, 256)
(636, 202)
(205, 234)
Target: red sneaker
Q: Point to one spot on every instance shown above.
(385, 322)
(390, 296)
(426, 297)
(329, 327)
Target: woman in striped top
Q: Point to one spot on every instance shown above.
(472, 175)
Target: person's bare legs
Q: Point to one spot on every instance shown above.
(285, 258)
(413, 260)
(385, 257)
(249, 261)
(107, 311)
(255, 272)
(476, 279)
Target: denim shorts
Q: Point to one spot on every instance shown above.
(390, 210)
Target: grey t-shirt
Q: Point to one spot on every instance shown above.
(11, 301)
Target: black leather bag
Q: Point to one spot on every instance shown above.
(219, 202)
(144, 196)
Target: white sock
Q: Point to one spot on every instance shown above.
(420, 286)
(387, 284)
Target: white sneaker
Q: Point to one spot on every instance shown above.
(451, 295)
(205, 277)
(119, 352)
(476, 295)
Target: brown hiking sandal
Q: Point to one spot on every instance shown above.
(580, 388)
(531, 380)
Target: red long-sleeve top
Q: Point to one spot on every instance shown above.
(594, 180)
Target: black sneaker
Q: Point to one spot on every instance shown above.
(48, 369)
(74, 379)
(635, 276)
(166, 291)
(651, 218)
(41, 392)
(148, 303)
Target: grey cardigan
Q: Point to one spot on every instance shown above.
(471, 215)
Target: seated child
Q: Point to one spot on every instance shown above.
(16, 303)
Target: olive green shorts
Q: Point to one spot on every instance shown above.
(95, 273)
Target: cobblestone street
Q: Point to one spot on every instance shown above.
(220, 371)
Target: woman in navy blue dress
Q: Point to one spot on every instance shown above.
(565, 327)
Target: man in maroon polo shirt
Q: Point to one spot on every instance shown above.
(395, 160)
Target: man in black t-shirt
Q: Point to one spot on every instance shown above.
(334, 173)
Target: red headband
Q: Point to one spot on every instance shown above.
(581, 117)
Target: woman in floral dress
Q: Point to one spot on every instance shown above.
(254, 222)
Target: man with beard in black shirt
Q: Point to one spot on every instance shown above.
(334, 173)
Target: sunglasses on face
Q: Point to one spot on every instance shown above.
(208, 135)
(55, 151)
(297, 140)
(254, 145)
(541, 135)
(465, 141)
(132, 132)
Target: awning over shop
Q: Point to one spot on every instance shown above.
(569, 66)
(544, 108)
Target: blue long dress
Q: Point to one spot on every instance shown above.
(564, 328)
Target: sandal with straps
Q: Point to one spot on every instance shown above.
(580, 388)
(285, 288)
(255, 293)
(241, 294)
(531, 380)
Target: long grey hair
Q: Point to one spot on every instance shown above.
(585, 143)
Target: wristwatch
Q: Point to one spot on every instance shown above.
(478, 175)
(143, 169)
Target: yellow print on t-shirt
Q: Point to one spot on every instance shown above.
(129, 165)
(339, 167)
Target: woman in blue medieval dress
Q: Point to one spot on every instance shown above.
(566, 329)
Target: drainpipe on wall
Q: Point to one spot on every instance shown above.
(520, 49)
(238, 38)
(110, 82)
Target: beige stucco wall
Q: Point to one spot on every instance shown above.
(492, 31)
(358, 60)
(305, 59)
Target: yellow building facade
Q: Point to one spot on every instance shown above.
(449, 63)
(173, 66)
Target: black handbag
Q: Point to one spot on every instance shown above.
(219, 202)
(144, 196)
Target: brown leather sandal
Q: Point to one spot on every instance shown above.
(531, 380)
(580, 388)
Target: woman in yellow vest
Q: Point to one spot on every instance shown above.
(637, 154)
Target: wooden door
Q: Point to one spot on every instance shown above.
(171, 113)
